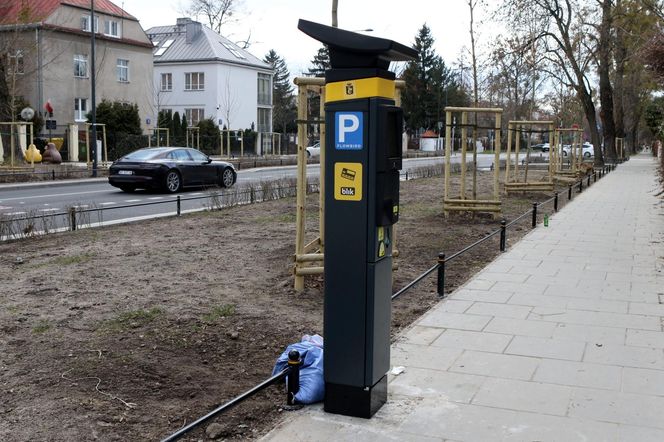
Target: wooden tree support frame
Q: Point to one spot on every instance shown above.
(309, 256)
(513, 182)
(157, 131)
(560, 174)
(462, 203)
(194, 133)
(104, 146)
(14, 130)
(237, 134)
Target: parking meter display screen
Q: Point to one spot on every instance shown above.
(393, 147)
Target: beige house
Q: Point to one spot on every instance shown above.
(46, 48)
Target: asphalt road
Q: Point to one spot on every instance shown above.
(88, 196)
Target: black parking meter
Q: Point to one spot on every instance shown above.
(363, 159)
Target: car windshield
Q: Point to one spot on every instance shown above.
(143, 154)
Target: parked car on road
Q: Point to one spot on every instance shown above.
(170, 169)
(543, 147)
(313, 151)
(588, 150)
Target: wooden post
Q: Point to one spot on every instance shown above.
(496, 191)
(517, 148)
(321, 193)
(510, 128)
(105, 145)
(301, 179)
(464, 136)
(448, 155)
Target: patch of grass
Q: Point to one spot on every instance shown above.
(13, 309)
(67, 260)
(134, 318)
(220, 311)
(42, 327)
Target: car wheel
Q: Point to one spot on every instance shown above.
(564, 153)
(173, 181)
(127, 189)
(308, 154)
(227, 177)
(586, 155)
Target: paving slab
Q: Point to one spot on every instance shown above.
(561, 338)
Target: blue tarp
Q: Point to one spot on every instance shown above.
(312, 383)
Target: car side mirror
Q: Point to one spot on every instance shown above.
(209, 160)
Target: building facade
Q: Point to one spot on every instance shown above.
(47, 44)
(201, 74)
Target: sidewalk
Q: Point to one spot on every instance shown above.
(559, 339)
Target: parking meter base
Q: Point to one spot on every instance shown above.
(355, 401)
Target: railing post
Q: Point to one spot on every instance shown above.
(293, 384)
(594, 177)
(588, 184)
(179, 206)
(581, 185)
(441, 275)
(569, 192)
(503, 234)
(53, 174)
(72, 218)
(534, 215)
(555, 202)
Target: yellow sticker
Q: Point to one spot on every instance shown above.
(381, 233)
(381, 250)
(348, 181)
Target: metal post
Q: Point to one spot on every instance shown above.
(534, 215)
(93, 107)
(441, 275)
(503, 234)
(569, 193)
(581, 185)
(293, 380)
(178, 203)
(53, 174)
(594, 177)
(555, 202)
(72, 218)
(588, 184)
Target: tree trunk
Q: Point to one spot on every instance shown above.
(619, 90)
(589, 109)
(605, 89)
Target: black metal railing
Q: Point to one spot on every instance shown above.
(292, 372)
(502, 231)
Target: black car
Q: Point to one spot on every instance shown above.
(169, 168)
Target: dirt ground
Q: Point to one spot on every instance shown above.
(128, 332)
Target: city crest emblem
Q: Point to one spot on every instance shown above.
(349, 89)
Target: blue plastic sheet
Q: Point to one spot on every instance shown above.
(312, 383)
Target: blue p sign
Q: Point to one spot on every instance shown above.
(349, 130)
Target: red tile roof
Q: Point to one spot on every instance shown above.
(33, 11)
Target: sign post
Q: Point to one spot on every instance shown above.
(362, 163)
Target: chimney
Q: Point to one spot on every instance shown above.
(192, 29)
(182, 21)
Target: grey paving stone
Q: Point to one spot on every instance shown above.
(626, 356)
(598, 318)
(500, 310)
(642, 381)
(526, 288)
(471, 340)
(481, 295)
(539, 300)
(597, 305)
(420, 335)
(479, 284)
(644, 338)
(546, 348)
(622, 408)
(497, 277)
(638, 308)
(472, 423)
(592, 334)
(458, 321)
(578, 374)
(454, 305)
(628, 433)
(495, 365)
(524, 396)
(423, 356)
(521, 327)
(423, 383)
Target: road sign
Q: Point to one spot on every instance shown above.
(349, 131)
(51, 124)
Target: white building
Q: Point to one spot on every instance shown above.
(202, 74)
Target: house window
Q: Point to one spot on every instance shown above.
(112, 28)
(80, 109)
(80, 65)
(16, 62)
(264, 120)
(85, 23)
(123, 70)
(233, 50)
(167, 82)
(194, 116)
(264, 89)
(167, 44)
(194, 81)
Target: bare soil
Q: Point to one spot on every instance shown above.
(128, 332)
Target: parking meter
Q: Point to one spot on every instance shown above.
(363, 159)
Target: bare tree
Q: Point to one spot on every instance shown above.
(216, 13)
